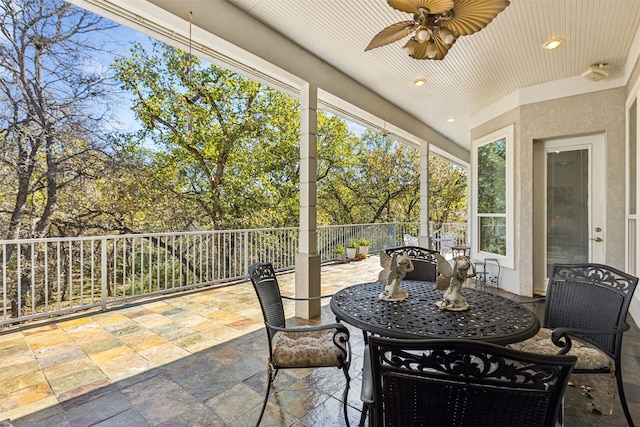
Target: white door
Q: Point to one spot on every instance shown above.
(569, 204)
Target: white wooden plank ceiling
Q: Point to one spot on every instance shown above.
(479, 69)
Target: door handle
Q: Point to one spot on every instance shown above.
(596, 239)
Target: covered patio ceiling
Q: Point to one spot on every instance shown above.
(291, 42)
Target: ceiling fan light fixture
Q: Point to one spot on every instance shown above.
(422, 35)
(446, 35)
(410, 46)
(430, 17)
(553, 43)
(432, 49)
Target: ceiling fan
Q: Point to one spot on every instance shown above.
(437, 24)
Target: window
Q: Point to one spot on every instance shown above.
(492, 195)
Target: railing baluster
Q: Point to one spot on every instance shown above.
(19, 280)
(70, 274)
(166, 262)
(4, 282)
(104, 282)
(81, 260)
(93, 263)
(33, 278)
(58, 273)
(133, 266)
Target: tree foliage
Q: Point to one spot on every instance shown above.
(447, 192)
(236, 163)
(378, 182)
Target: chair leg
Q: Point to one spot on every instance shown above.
(363, 415)
(271, 375)
(623, 399)
(560, 416)
(345, 394)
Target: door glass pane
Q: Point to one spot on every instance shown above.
(567, 207)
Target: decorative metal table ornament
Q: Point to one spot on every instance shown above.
(394, 270)
(453, 299)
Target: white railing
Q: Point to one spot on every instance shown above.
(47, 277)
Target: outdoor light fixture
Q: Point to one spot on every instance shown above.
(437, 24)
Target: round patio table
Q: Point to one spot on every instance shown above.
(490, 318)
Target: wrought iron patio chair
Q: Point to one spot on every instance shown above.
(424, 262)
(297, 347)
(586, 306)
(458, 383)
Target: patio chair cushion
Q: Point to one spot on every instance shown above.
(306, 348)
(541, 343)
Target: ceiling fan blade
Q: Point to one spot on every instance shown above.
(413, 6)
(420, 51)
(392, 33)
(470, 16)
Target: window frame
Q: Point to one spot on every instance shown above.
(506, 260)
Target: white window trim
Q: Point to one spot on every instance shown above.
(507, 133)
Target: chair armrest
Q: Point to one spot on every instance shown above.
(561, 337)
(338, 326)
(541, 299)
(306, 298)
(366, 392)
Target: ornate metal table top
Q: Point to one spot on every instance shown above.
(490, 317)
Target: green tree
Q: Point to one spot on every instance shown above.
(237, 163)
(447, 192)
(337, 170)
(390, 186)
(375, 178)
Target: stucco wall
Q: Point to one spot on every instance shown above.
(596, 112)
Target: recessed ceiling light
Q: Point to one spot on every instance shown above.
(419, 82)
(552, 44)
(451, 120)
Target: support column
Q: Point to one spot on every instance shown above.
(307, 274)
(423, 238)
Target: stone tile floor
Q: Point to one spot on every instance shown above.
(199, 359)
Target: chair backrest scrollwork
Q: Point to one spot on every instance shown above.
(424, 261)
(464, 383)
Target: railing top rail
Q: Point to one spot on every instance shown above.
(138, 235)
(169, 234)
